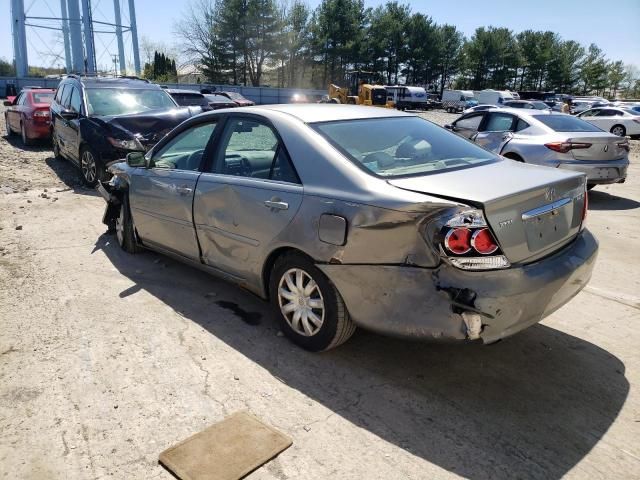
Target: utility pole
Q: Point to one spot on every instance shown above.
(134, 36)
(89, 46)
(65, 35)
(114, 58)
(19, 38)
(116, 11)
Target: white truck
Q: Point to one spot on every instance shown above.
(458, 100)
(495, 97)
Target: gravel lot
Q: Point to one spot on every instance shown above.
(106, 359)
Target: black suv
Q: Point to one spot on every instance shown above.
(96, 120)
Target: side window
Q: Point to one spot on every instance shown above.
(66, 95)
(471, 122)
(499, 122)
(19, 99)
(521, 125)
(75, 103)
(58, 93)
(251, 149)
(185, 151)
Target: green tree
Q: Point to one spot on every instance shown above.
(450, 42)
(593, 71)
(616, 76)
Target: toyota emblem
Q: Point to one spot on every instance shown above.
(606, 148)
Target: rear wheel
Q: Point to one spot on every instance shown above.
(56, 147)
(309, 308)
(8, 127)
(125, 230)
(92, 169)
(618, 130)
(26, 141)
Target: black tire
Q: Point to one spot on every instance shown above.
(336, 326)
(55, 147)
(91, 168)
(26, 141)
(6, 124)
(125, 230)
(618, 130)
(591, 186)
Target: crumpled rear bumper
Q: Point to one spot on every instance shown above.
(424, 303)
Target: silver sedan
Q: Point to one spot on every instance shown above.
(346, 216)
(551, 139)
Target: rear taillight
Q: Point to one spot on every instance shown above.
(41, 115)
(564, 147)
(624, 145)
(468, 243)
(585, 206)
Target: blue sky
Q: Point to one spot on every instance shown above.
(614, 26)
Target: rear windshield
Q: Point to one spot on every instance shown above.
(120, 101)
(43, 98)
(395, 147)
(565, 123)
(189, 99)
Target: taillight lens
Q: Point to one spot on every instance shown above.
(564, 147)
(585, 206)
(483, 242)
(468, 243)
(458, 240)
(41, 115)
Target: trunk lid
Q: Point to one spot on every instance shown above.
(531, 210)
(603, 147)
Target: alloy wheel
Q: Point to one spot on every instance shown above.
(301, 302)
(88, 166)
(120, 226)
(619, 131)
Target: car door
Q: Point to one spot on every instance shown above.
(161, 196)
(468, 125)
(496, 131)
(13, 112)
(72, 126)
(62, 128)
(246, 198)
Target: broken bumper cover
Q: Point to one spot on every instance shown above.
(424, 303)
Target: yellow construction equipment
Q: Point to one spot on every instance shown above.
(361, 91)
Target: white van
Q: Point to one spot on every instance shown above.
(407, 97)
(495, 97)
(458, 100)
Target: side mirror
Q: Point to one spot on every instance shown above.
(136, 159)
(7, 103)
(448, 126)
(69, 114)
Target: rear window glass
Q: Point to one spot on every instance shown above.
(188, 100)
(565, 123)
(395, 147)
(43, 98)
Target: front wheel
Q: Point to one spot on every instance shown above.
(125, 230)
(92, 169)
(8, 127)
(309, 308)
(618, 130)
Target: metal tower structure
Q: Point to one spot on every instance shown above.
(78, 28)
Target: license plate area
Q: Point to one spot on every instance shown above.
(549, 224)
(604, 173)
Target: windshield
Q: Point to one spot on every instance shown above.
(540, 105)
(392, 147)
(234, 96)
(565, 123)
(120, 101)
(43, 98)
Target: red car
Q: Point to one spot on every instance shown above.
(29, 114)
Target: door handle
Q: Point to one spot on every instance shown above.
(184, 190)
(277, 204)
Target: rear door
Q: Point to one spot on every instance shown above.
(468, 125)
(72, 126)
(247, 197)
(496, 131)
(162, 196)
(13, 112)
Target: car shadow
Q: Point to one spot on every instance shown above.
(38, 145)
(599, 200)
(69, 175)
(529, 407)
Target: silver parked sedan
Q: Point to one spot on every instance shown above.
(348, 216)
(551, 139)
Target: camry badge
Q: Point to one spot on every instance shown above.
(505, 223)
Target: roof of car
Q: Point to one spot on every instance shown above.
(326, 112)
(183, 92)
(112, 82)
